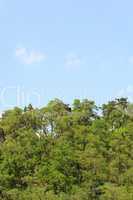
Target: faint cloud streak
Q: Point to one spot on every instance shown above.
(29, 56)
(72, 61)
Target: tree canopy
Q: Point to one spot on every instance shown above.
(63, 152)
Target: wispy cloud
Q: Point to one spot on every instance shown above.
(130, 60)
(72, 60)
(29, 56)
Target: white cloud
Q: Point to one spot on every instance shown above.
(29, 56)
(1, 113)
(72, 61)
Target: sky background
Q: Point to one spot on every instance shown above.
(65, 49)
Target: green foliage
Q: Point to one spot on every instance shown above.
(61, 152)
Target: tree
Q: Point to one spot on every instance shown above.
(63, 152)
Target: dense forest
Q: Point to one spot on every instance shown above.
(63, 152)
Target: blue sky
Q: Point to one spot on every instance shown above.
(65, 49)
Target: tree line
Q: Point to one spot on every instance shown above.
(63, 152)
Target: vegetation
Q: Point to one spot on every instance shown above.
(60, 152)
